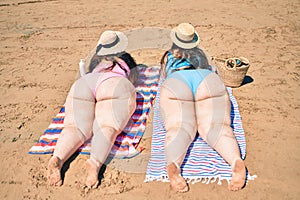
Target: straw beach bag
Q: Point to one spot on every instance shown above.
(232, 70)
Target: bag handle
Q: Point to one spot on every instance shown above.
(231, 61)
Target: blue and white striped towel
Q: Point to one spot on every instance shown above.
(202, 163)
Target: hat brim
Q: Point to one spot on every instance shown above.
(181, 44)
(119, 47)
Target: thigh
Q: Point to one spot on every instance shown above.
(212, 105)
(80, 107)
(116, 102)
(177, 105)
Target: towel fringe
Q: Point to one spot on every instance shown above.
(188, 180)
(204, 180)
(213, 179)
(219, 181)
(251, 178)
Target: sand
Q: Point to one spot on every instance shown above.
(43, 41)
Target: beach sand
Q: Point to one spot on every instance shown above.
(42, 42)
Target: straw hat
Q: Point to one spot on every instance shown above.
(185, 36)
(111, 42)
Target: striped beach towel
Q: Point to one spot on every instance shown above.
(202, 163)
(126, 144)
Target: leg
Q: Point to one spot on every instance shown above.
(79, 110)
(116, 102)
(178, 112)
(213, 120)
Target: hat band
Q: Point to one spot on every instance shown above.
(107, 46)
(184, 41)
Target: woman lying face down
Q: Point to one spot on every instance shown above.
(193, 98)
(98, 107)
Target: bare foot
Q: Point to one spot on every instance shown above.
(238, 175)
(92, 167)
(177, 181)
(53, 171)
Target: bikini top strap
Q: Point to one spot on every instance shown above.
(119, 67)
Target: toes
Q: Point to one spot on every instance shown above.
(95, 185)
(236, 189)
(53, 172)
(59, 183)
(238, 175)
(92, 168)
(178, 184)
(92, 183)
(185, 189)
(234, 186)
(54, 179)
